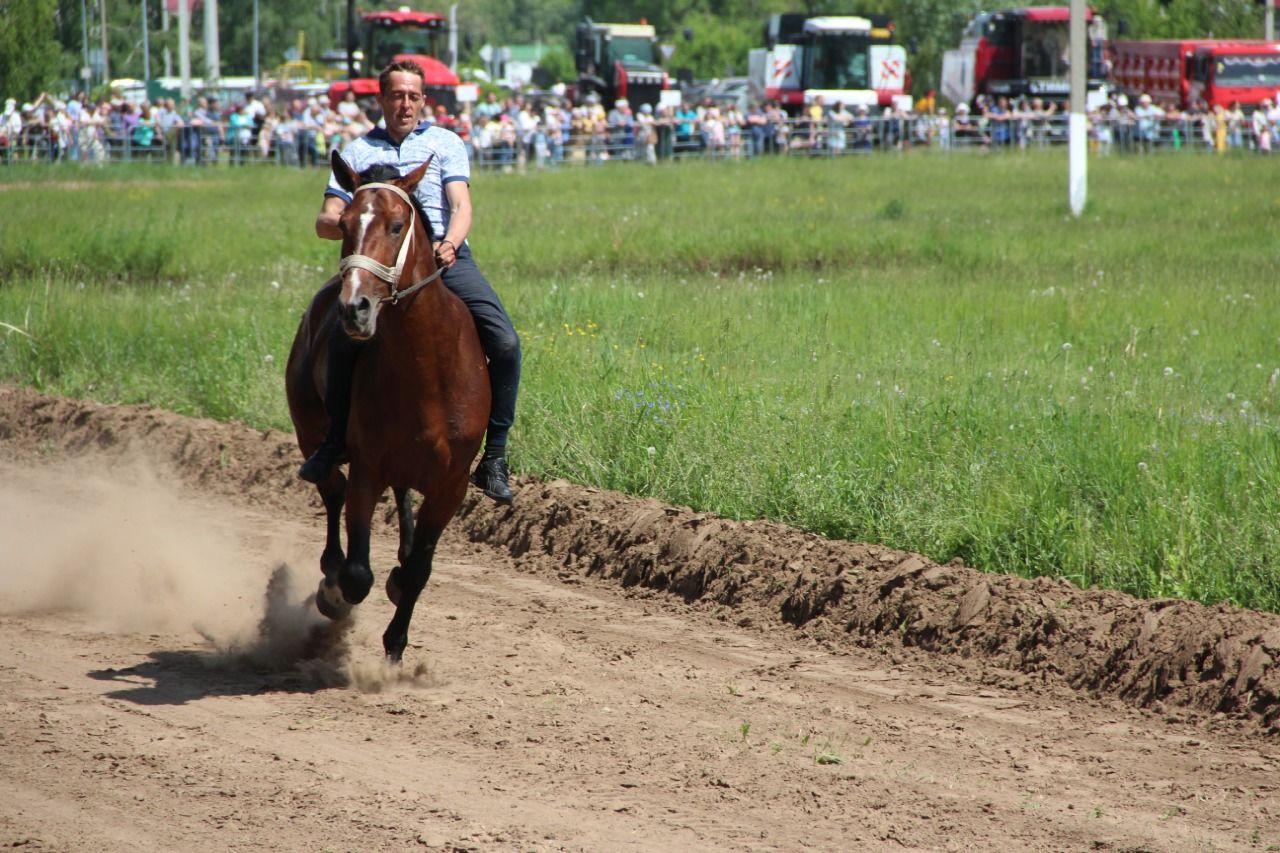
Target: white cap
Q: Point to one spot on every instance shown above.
(621, 102)
(962, 107)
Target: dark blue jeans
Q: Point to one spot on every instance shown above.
(498, 339)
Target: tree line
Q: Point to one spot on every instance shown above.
(42, 41)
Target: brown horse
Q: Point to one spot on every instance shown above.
(419, 399)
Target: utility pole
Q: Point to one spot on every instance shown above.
(453, 38)
(184, 47)
(164, 27)
(106, 65)
(351, 41)
(146, 53)
(1078, 138)
(86, 73)
(257, 77)
(212, 63)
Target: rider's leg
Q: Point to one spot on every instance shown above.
(501, 346)
(337, 404)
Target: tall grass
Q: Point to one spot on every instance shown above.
(924, 352)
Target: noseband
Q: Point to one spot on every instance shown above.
(391, 275)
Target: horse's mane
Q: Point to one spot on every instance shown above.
(383, 172)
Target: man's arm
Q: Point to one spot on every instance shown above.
(459, 195)
(327, 222)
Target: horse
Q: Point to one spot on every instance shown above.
(419, 397)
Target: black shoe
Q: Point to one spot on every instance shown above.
(320, 465)
(491, 477)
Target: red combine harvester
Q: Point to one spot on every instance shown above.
(1188, 71)
(394, 35)
(1017, 52)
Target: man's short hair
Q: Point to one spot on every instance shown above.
(404, 66)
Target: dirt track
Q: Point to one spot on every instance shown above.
(588, 672)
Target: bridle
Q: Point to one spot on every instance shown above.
(391, 275)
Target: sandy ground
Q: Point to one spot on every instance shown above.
(165, 685)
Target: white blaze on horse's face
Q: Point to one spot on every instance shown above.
(367, 280)
(354, 273)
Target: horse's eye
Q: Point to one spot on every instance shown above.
(397, 227)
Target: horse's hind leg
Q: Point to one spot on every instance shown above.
(412, 580)
(404, 513)
(329, 598)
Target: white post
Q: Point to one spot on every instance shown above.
(1269, 20)
(1078, 139)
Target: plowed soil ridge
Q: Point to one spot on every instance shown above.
(1157, 653)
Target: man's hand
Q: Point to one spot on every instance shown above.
(446, 253)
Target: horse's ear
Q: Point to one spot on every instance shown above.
(341, 171)
(409, 182)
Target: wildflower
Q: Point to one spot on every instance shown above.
(1168, 371)
(1142, 466)
(652, 451)
(268, 359)
(275, 285)
(1066, 346)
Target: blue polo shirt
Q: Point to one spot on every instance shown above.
(450, 163)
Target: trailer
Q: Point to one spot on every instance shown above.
(1198, 72)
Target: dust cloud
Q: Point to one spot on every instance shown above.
(120, 547)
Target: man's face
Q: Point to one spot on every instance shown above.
(401, 103)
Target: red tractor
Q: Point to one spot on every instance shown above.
(393, 35)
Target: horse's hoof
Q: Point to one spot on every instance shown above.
(330, 603)
(355, 580)
(393, 585)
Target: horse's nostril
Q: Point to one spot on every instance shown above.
(363, 305)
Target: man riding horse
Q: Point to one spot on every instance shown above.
(445, 197)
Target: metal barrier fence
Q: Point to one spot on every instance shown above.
(798, 137)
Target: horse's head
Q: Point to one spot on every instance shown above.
(379, 232)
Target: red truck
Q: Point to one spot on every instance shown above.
(402, 34)
(1187, 72)
(1022, 51)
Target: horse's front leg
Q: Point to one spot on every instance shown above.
(329, 598)
(410, 581)
(356, 578)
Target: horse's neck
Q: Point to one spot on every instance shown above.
(419, 313)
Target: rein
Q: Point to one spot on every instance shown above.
(391, 275)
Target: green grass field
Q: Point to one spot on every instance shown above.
(927, 352)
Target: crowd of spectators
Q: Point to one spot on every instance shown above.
(520, 130)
